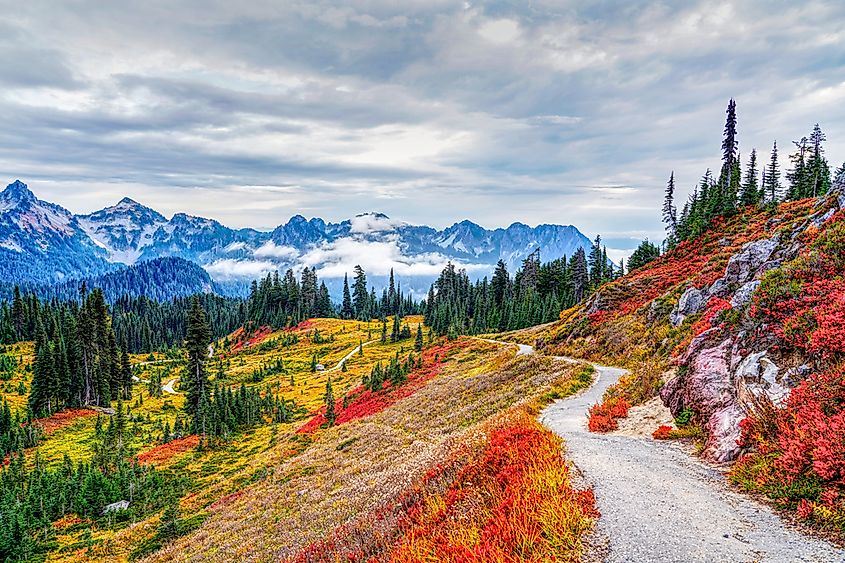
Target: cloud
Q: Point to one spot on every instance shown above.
(430, 111)
(373, 223)
(339, 257)
(271, 250)
(236, 270)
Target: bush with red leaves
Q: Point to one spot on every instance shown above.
(663, 432)
(602, 417)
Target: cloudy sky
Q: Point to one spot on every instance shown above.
(430, 111)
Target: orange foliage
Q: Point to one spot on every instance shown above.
(662, 433)
(507, 501)
(603, 416)
(365, 402)
(61, 419)
(164, 452)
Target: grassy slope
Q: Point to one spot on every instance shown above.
(286, 489)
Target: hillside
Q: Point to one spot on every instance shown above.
(161, 279)
(411, 454)
(740, 332)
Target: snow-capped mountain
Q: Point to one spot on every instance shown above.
(41, 241)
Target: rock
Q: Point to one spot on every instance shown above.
(691, 302)
(723, 433)
(116, 507)
(818, 220)
(743, 295)
(793, 376)
(758, 375)
(719, 288)
(595, 304)
(743, 266)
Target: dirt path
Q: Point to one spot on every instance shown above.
(168, 388)
(347, 356)
(660, 504)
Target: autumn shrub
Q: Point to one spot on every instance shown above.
(663, 432)
(799, 450)
(507, 499)
(602, 416)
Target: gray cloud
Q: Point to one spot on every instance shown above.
(430, 111)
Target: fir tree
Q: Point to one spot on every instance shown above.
(418, 342)
(750, 194)
(771, 183)
(670, 212)
(198, 337)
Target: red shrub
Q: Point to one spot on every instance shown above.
(366, 403)
(61, 419)
(662, 433)
(602, 417)
(162, 453)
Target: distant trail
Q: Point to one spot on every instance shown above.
(169, 387)
(659, 504)
(347, 356)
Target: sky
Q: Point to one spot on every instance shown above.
(430, 111)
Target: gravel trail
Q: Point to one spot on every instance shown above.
(659, 504)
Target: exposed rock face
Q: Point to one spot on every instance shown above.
(744, 266)
(743, 295)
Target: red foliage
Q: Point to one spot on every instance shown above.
(366, 403)
(803, 303)
(304, 325)
(164, 452)
(663, 432)
(699, 262)
(241, 339)
(715, 306)
(812, 428)
(61, 419)
(489, 505)
(603, 416)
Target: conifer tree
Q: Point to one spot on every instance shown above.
(771, 183)
(670, 212)
(750, 194)
(360, 295)
(418, 342)
(346, 310)
(197, 340)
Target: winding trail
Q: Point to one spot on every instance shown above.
(659, 504)
(347, 356)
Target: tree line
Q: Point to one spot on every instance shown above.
(760, 184)
(535, 294)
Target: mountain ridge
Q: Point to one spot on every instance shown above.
(60, 245)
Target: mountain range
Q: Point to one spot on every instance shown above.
(41, 242)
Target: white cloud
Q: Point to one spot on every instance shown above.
(373, 223)
(272, 250)
(334, 259)
(234, 270)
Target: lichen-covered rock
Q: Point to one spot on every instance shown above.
(723, 433)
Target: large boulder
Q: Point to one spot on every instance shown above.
(744, 266)
(743, 295)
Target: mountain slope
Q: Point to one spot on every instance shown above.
(742, 332)
(41, 241)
